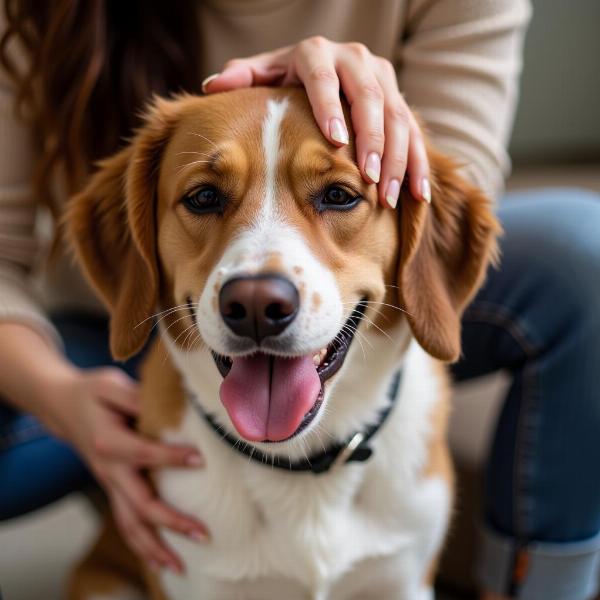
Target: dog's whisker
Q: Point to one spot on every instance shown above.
(192, 332)
(186, 330)
(189, 336)
(175, 322)
(303, 450)
(372, 323)
(355, 331)
(358, 335)
(195, 152)
(165, 316)
(360, 343)
(371, 302)
(392, 306)
(163, 312)
(363, 350)
(203, 137)
(372, 307)
(190, 164)
(193, 341)
(323, 447)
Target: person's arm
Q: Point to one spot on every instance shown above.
(87, 408)
(458, 67)
(90, 409)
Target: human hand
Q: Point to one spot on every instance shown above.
(389, 142)
(92, 410)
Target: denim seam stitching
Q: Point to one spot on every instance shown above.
(503, 318)
(523, 507)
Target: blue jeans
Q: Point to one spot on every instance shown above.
(538, 318)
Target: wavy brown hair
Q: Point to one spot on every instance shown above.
(91, 65)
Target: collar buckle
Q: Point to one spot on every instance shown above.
(348, 450)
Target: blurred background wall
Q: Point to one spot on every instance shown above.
(558, 120)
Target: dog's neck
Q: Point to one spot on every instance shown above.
(361, 387)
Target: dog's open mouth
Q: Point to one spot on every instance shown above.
(272, 398)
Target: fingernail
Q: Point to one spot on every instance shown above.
(426, 190)
(175, 567)
(198, 535)
(338, 131)
(194, 460)
(392, 193)
(205, 83)
(373, 167)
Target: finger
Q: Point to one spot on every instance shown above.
(141, 538)
(395, 154)
(126, 445)
(315, 68)
(262, 69)
(365, 97)
(418, 164)
(154, 512)
(118, 390)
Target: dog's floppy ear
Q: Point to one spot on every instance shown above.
(111, 225)
(445, 249)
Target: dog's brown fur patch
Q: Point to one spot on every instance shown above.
(163, 397)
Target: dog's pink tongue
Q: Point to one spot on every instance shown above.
(267, 397)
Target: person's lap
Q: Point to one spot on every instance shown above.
(535, 317)
(539, 318)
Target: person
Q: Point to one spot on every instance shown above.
(75, 76)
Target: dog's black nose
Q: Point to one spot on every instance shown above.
(258, 306)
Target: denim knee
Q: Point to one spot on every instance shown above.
(546, 504)
(554, 235)
(552, 267)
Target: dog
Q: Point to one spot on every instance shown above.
(302, 331)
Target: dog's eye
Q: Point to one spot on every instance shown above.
(206, 199)
(337, 198)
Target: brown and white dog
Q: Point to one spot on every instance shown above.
(288, 301)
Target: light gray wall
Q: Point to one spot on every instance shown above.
(559, 114)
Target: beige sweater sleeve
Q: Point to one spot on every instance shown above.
(459, 65)
(18, 240)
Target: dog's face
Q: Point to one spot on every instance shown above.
(263, 244)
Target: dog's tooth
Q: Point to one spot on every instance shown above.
(319, 356)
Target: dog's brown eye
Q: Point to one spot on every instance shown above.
(206, 199)
(337, 198)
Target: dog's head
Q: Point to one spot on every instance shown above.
(260, 243)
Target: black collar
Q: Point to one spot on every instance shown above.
(356, 448)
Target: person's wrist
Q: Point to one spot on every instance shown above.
(55, 396)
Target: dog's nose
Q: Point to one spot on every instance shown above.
(258, 306)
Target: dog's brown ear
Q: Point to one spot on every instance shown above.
(445, 249)
(111, 225)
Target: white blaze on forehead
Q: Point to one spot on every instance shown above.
(272, 235)
(271, 140)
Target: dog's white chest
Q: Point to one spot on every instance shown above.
(314, 536)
